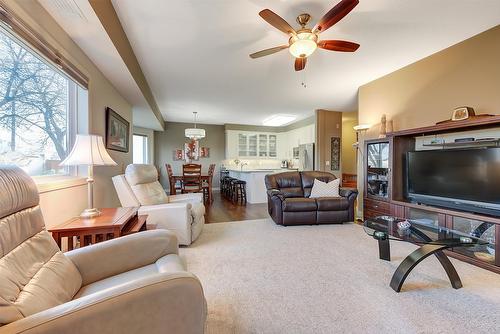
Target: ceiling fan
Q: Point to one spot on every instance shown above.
(303, 42)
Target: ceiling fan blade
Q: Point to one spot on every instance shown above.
(268, 52)
(300, 63)
(335, 15)
(342, 46)
(276, 21)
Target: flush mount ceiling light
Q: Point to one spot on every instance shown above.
(278, 120)
(303, 42)
(194, 133)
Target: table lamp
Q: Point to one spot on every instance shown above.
(89, 151)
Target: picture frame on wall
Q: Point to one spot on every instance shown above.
(192, 151)
(205, 152)
(117, 131)
(178, 155)
(335, 153)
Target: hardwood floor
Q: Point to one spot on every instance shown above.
(223, 210)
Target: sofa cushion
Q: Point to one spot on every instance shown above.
(308, 178)
(34, 274)
(323, 189)
(332, 203)
(143, 180)
(299, 204)
(288, 183)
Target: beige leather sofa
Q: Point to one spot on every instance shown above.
(182, 214)
(133, 284)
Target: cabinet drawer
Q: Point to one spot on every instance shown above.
(379, 206)
(367, 214)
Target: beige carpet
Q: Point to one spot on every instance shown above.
(263, 278)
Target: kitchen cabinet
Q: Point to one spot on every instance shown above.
(243, 144)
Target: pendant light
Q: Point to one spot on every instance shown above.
(194, 133)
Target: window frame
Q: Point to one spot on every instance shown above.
(145, 148)
(70, 177)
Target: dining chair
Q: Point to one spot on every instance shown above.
(207, 185)
(191, 178)
(172, 181)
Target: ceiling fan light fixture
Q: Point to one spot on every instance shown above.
(303, 45)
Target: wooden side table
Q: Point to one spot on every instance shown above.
(112, 223)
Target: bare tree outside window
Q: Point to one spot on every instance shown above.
(33, 110)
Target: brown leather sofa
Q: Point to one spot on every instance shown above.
(289, 203)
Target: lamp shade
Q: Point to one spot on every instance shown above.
(361, 127)
(194, 133)
(88, 150)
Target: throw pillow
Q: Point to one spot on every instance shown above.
(323, 189)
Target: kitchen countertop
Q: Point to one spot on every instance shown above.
(261, 170)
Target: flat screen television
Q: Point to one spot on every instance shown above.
(464, 179)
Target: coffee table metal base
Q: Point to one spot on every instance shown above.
(416, 257)
(412, 260)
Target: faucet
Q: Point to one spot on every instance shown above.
(243, 164)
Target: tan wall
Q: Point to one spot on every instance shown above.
(60, 205)
(348, 154)
(173, 138)
(427, 91)
(328, 125)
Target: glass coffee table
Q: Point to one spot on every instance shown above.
(432, 240)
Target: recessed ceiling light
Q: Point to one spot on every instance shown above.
(278, 120)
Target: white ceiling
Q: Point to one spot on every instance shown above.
(194, 53)
(83, 26)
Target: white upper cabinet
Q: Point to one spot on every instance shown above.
(266, 145)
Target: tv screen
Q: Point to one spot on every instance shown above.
(468, 175)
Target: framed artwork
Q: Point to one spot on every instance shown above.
(192, 150)
(295, 152)
(205, 152)
(335, 154)
(117, 131)
(178, 155)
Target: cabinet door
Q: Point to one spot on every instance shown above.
(262, 145)
(242, 145)
(252, 145)
(377, 171)
(272, 146)
(479, 229)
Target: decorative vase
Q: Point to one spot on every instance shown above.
(383, 127)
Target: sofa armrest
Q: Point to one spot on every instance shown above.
(348, 192)
(176, 217)
(277, 193)
(116, 256)
(275, 200)
(166, 302)
(186, 198)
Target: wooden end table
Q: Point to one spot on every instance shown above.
(112, 223)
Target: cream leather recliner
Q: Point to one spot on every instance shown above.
(133, 284)
(182, 214)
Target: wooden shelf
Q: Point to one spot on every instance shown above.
(475, 123)
(475, 143)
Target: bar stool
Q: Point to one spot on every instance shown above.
(227, 186)
(240, 192)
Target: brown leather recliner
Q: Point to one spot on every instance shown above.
(289, 203)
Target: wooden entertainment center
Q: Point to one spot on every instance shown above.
(384, 186)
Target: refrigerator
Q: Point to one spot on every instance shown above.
(306, 156)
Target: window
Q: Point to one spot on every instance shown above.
(140, 149)
(37, 110)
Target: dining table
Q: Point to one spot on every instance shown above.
(205, 178)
